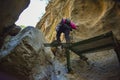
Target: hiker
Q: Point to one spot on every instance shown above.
(65, 26)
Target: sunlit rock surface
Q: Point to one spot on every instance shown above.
(93, 18)
(10, 11)
(24, 57)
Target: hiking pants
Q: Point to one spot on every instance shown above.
(66, 34)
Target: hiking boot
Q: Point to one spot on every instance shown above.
(83, 58)
(15, 30)
(68, 41)
(57, 41)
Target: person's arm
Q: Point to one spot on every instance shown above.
(73, 26)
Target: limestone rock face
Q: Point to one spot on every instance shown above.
(10, 11)
(25, 57)
(92, 17)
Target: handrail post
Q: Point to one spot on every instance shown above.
(117, 48)
(68, 59)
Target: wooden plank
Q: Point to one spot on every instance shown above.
(50, 45)
(109, 34)
(102, 42)
(91, 50)
(66, 45)
(93, 44)
(98, 43)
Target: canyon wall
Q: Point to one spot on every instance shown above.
(93, 17)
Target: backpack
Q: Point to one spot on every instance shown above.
(59, 25)
(67, 24)
(67, 21)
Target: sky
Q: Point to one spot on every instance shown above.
(32, 14)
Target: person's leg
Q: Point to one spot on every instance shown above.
(67, 37)
(58, 35)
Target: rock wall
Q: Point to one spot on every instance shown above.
(9, 13)
(93, 17)
(25, 57)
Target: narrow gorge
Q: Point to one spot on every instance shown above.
(24, 56)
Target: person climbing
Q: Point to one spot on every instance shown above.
(65, 26)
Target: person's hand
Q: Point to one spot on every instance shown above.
(77, 26)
